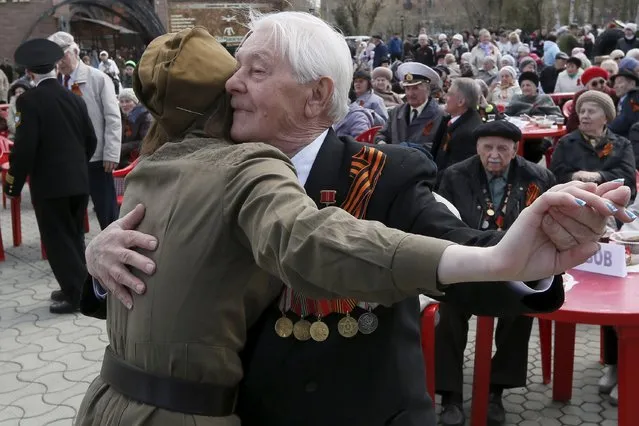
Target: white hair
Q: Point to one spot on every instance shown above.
(39, 77)
(295, 36)
(633, 53)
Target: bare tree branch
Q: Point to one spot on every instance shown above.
(371, 13)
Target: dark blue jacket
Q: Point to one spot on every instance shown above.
(381, 52)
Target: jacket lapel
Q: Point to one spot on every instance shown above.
(402, 124)
(419, 126)
(330, 170)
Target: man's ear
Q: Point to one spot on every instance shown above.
(320, 96)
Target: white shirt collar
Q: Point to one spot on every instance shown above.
(453, 119)
(303, 160)
(419, 109)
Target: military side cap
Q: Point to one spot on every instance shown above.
(499, 128)
(181, 76)
(38, 55)
(413, 73)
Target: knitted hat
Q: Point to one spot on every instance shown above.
(383, 72)
(128, 94)
(510, 70)
(593, 72)
(458, 37)
(628, 64)
(130, 63)
(601, 99)
(617, 53)
(529, 76)
(526, 61)
(181, 77)
(508, 59)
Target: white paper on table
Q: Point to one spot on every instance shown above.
(569, 282)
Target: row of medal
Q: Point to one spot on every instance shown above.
(304, 330)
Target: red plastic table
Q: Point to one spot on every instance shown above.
(531, 131)
(558, 98)
(600, 300)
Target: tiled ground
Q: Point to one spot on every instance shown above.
(47, 361)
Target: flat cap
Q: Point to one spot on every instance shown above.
(38, 55)
(499, 128)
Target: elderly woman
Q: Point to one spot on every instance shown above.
(568, 81)
(483, 50)
(594, 78)
(488, 71)
(487, 111)
(515, 44)
(453, 66)
(508, 60)
(15, 90)
(523, 51)
(617, 55)
(530, 102)
(593, 153)
(357, 121)
(527, 64)
(136, 121)
(610, 66)
(364, 96)
(382, 87)
(503, 93)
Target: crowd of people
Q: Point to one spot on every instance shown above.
(249, 288)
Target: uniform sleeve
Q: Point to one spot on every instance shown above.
(629, 116)
(24, 150)
(112, 122)
(324, 253)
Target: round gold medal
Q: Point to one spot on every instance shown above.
(319, 331)
(347, 327)
(490, 212)
(284, 327)
(302, 330)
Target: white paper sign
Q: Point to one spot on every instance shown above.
(609, 260)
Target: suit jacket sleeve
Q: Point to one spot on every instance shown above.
(112, 121)
(622, 123)
(416, 204)
(323, 253)
(26, 144)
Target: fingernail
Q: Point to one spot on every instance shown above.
(619, 180)
(580, 202)
(139, 288)
(611, 207)
(630, 214)
(153, 244)
(129, 305)
(149, 268)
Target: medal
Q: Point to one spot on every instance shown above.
(347, 326)
(284, 327)
(484, 225)
(367, 323)
(490, 212)
(319, 330)
(302, 330)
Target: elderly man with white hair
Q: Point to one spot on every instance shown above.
(97, 91)
(364, 364)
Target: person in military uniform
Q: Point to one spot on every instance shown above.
(418, 119)
(53, 143)
(490, 190)
(626, 85)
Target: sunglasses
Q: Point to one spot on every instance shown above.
(599, 82)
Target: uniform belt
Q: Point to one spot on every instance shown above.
(169, 393)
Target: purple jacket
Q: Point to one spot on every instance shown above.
(357, 121)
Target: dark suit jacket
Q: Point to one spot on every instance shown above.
(455, 143)
(53, 144)
(375, 379)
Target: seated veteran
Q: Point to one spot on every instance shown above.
(625, 83)
(382, 87)
(364, 96)
(357, 121)
(417, 120)
(454, 140)
(593, 153)
(530, 102)
(594, 78)
(490, 190)
(507, 87)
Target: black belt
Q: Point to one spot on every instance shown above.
(169, 393)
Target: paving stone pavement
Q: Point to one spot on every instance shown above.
(47, 361)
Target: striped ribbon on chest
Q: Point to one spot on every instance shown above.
(366, 168)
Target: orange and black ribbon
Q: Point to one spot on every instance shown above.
(605, 151)
(532, 193)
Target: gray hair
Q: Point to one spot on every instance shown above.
(295, 36)
(469, 91)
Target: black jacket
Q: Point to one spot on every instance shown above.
(548, 78)
(574, 153)
(626, 45)
(53, 144)
(607, 41)
(455, 143)
(463, 184)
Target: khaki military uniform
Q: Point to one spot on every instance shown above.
(226, 217)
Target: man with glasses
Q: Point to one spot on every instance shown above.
(594, 78)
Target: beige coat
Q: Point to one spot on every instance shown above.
(478, 55)
(4, 87)
(226, 217)
(99, 95)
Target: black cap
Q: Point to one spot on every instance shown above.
(362, 74)
(625, 72)
(529, 76)
(561, 55)
(38, 55)
(500, 128)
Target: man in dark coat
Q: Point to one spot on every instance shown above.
(381, 51)
(629, 39)
(548, 76)
(490, 190)
(454, 138)
(53, 144)
(626, 85)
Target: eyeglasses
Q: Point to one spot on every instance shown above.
(599, 82)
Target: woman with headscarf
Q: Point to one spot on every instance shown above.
(508, 60)
(136, 122)
(503, 93)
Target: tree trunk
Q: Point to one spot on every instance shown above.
(555, 10)
(637, 14)
(571, 12)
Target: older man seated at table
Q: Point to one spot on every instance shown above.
(490, 190)
(594, 78)
(593, 153)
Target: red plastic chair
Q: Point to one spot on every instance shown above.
(428, 346)
(119, 177)
(567, 108)
(369, 135)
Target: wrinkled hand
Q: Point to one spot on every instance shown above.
(112, 249)
(584, 176)
(109, 166)
(540, 245)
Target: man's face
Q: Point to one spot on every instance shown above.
(266, 99)
(126, 105)
(376, 41)
(484, 38)
(623, 85)
(456, 43)
(454, 102)
(597, 83)
(560, 64)
(417, 95)
(572, 68)
(423, 41)
(104, 58)
(496, 153)
(67, 64)
(129, 70)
